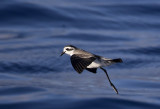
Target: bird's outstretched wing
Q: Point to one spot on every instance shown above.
(80, 62)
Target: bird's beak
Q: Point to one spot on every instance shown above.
(62, 53)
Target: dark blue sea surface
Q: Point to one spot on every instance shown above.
(34, 32)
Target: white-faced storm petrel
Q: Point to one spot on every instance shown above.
(81, 60)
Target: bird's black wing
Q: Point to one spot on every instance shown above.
(93, 70)
(80, 62)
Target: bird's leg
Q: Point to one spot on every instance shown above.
(110, 80)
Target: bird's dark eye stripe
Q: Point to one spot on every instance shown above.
(69, 49)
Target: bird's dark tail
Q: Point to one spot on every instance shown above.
(118, 60)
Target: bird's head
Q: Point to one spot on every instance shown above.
(69, 49)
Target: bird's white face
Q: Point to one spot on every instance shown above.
(68, 50)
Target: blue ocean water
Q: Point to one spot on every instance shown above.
(34, 32)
